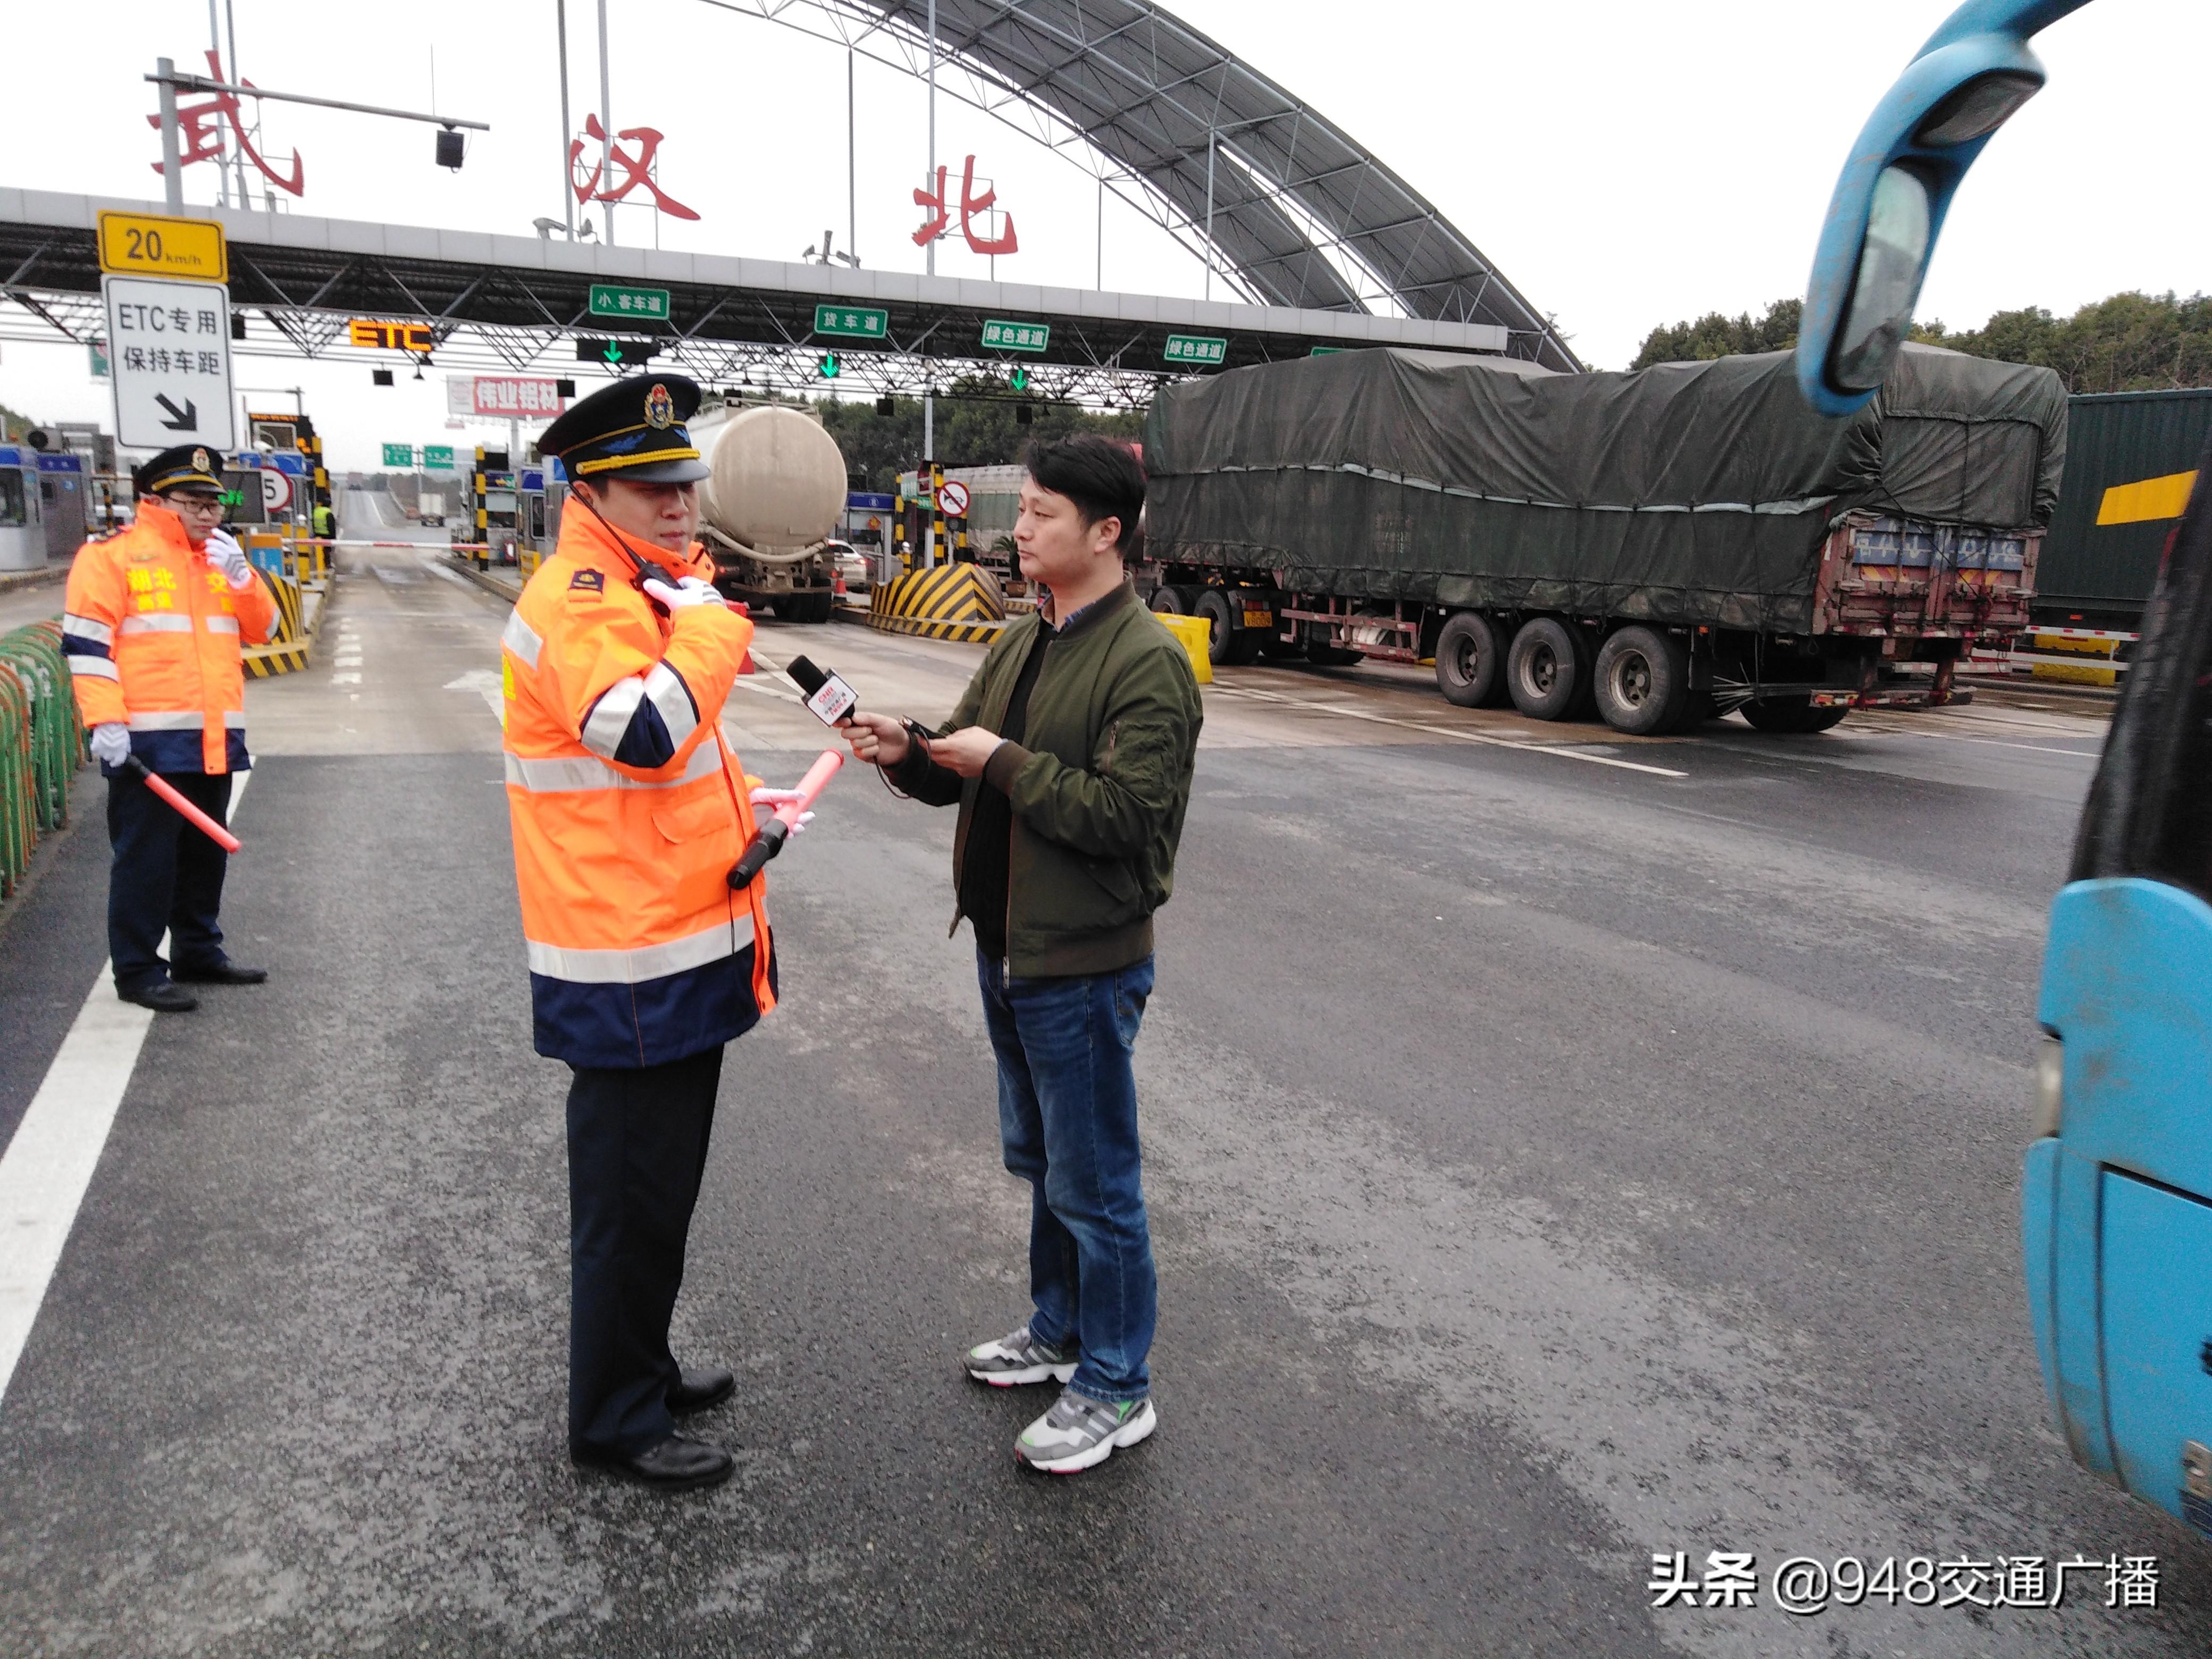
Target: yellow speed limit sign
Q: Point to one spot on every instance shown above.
(154, 244)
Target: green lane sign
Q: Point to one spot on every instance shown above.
(439, 456)
(1196, 350)
(1324, 351)
(853, 322)
(611, 300)
(1000, 335)
(399, 454)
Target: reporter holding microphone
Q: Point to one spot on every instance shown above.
(1070, 759)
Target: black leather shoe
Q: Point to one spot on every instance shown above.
(162, 997)
(701, 1389)
(225, 972)
(671, 1465)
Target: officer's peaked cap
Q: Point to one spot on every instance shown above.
(632, 430)
(193, 468)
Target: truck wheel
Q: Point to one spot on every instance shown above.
(1470, 659)
(1171, 602)
(1543, 671)
(1277, 650)
(1642, 681)
(1791, 716)
(1228, 645)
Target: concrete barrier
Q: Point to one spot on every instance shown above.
(953, 602)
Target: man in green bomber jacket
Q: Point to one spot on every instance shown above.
(1070, 756)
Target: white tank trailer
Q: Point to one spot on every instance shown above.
(774, 498)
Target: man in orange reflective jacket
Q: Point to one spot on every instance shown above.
(628, 811)
(156, 618)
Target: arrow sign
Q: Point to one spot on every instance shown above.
(168, 347)
(186, 419)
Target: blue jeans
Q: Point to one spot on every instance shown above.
(1068, 1116)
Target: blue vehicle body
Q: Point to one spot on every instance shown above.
(2116, 1199)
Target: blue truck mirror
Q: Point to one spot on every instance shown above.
(1887, 208)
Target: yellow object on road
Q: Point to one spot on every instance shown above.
(1197, 636)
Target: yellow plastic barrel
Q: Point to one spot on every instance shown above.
(1197, 636)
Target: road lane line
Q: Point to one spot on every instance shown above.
(49, 1163)
(1340, 713)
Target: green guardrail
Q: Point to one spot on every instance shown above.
(41, 744)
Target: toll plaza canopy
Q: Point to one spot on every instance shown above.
(1243, 170)
(518, 303)
(1685, 493)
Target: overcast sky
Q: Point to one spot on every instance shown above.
(1624, 165)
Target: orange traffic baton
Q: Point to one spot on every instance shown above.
(192, 814)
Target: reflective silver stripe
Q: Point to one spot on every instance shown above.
(520, 638)
(85, 628)
(567, 774)
(609, 719)
(673, 699)
(157, 622)
(222, 625)
(94, 668)
(634, 966)
(235, 719)
(169, 719)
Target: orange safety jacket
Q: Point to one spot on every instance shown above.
(628, 810)
(153, 633)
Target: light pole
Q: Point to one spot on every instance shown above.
(928, 391)
(607, 127)
(567, 184)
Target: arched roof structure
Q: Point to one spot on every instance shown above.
(1284, 203)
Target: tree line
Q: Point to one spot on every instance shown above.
(2127, 343)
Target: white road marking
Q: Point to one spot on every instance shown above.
(50, 1163)
(486, 684)
(1340, 712)
(437, 567)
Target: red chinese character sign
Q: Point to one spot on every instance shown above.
(971, 206)
(637, 167)
(199, 132)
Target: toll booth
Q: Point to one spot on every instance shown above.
(869, 525)
(493, 530)
(22, 513)
(294, 434)
(62, 501)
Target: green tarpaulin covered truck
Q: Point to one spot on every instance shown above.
(1669, 544)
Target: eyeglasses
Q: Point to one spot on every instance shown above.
(195, 504)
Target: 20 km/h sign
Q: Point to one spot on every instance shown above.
(853, 322)
(169, 346)
(154, 244)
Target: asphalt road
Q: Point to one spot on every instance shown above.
(1561, 1149)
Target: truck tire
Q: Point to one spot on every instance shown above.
(1228, 645)
(1280, 650)
(1471, 659)
(1642, 680)
(1544, 670)
(1171, 602)
(1790, 716)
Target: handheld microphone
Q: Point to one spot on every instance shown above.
(767, 840)
(829, 697)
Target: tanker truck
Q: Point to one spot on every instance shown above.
(770, 507)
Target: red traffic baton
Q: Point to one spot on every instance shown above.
(192, 814)
(767, 840)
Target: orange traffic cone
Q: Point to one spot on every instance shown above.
(745, 662)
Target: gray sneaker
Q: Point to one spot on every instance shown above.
(1080, 1431)
(1020, 1357)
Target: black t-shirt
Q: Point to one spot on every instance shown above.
(991, 829)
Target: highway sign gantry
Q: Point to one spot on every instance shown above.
(853, 322)
(169, 348)
(615, 300)
(156, 245)
(399, 455)
(1002, 334)
(1196, 350)
(438, 457)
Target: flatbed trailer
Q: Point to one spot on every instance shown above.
(1663, 546)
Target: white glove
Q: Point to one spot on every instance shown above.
(772, 799)
(226, 556)
(110, 742)
(692, 590)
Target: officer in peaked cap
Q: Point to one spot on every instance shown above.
(628, 810)
(154, 620)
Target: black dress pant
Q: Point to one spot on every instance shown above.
(167, 875)
(637, 1146)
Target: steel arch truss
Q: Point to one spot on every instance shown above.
(1169, 121)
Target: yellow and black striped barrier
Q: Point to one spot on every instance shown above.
(958, 602)
(287, 650)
